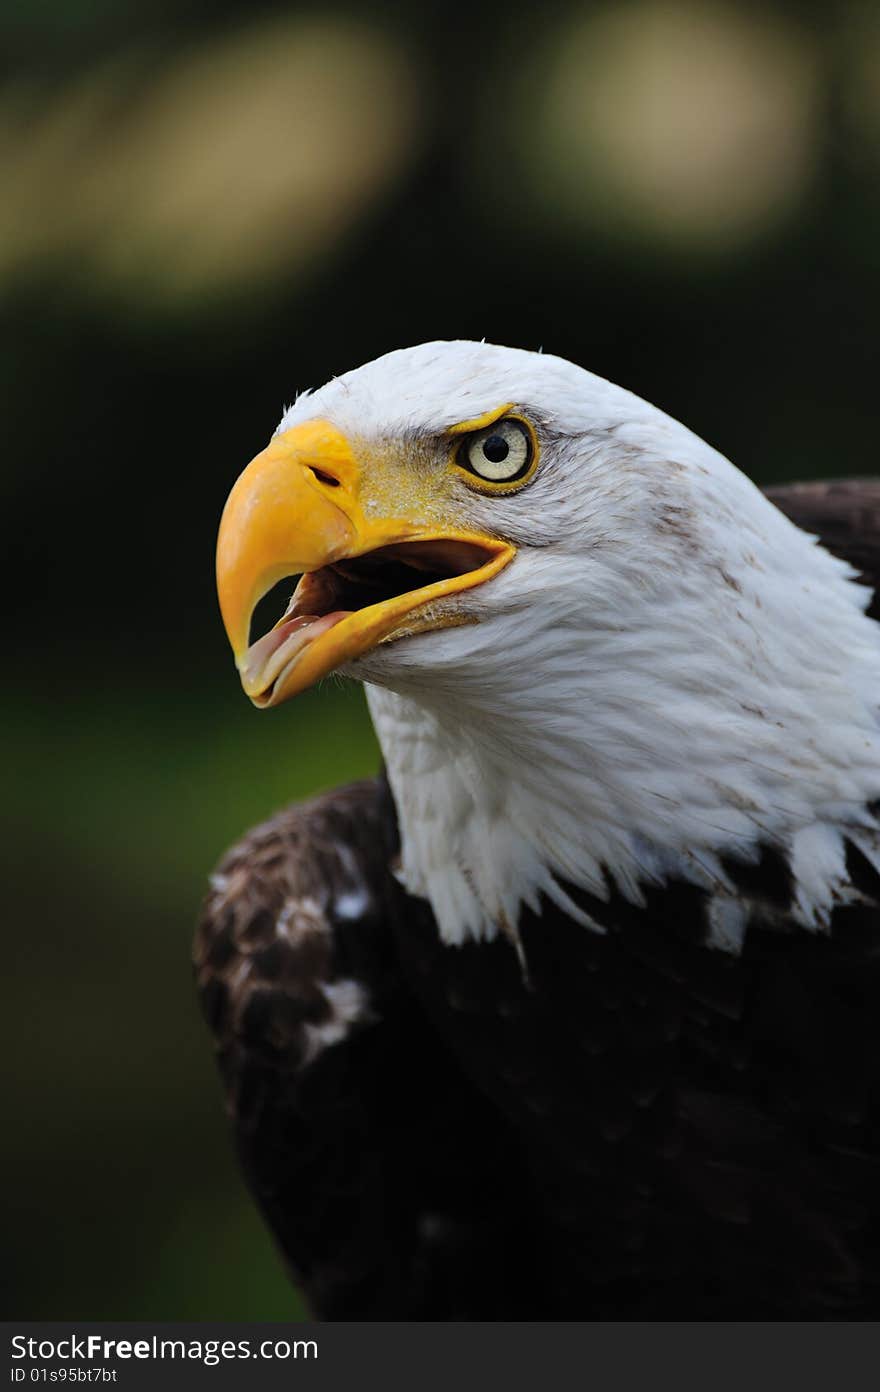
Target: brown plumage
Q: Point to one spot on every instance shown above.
(646, 1128)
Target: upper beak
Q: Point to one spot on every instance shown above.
(300, 507)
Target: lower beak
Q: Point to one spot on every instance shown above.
(299, 509)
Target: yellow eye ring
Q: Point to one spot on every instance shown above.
(500, 457)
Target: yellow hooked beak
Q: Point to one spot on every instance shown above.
(302, 507)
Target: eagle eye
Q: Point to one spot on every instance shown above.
(500, 453)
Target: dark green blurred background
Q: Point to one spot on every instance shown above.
(204, 207)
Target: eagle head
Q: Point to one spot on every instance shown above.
(595, 654)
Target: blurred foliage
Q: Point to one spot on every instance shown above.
(205, 208)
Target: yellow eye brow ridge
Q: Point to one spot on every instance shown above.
(480, 422)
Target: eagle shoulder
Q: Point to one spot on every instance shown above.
(292, 969)
(276, 969)
(382, 1174)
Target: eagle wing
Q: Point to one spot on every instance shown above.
(346, 1110)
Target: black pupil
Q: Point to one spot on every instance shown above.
(496, 449)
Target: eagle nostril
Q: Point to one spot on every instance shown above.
(327, 479)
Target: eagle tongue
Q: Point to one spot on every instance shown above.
(265, 659)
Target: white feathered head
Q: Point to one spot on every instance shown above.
(595, 652)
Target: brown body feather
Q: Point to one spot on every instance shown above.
(647, 1129)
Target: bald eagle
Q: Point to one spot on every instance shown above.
(574, 1011)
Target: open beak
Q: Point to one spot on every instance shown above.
(302, 507)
